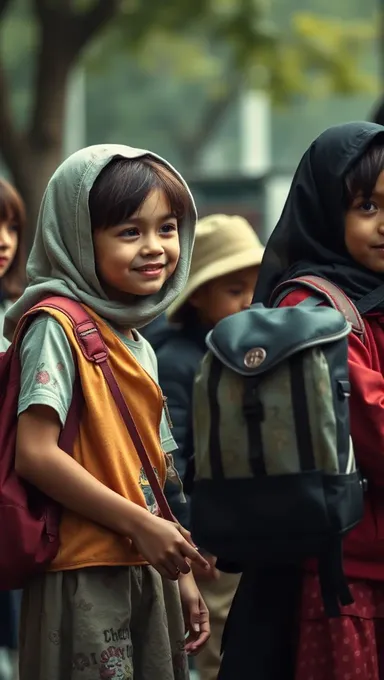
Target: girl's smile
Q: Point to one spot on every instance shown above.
(152, 270)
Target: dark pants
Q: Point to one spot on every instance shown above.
(9, 618)
(261, 632)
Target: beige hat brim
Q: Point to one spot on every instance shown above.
(250, 258)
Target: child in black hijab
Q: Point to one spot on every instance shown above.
(333, 226)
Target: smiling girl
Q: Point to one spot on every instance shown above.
(333, 226)
(115, 232)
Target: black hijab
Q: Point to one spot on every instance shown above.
(309, 237)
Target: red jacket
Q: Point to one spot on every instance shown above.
(364, 546)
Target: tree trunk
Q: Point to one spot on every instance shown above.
(33, 155)
(31, 174)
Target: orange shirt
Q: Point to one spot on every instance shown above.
(104, 448)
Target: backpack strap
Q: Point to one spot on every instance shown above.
(329, 292)
(333, 583)
(95, 350)
(369, 302)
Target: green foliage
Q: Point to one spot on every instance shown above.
(181, 58)
(311, 55)
(332, 52)
(210, 42)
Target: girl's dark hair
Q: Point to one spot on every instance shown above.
(362, 177)
(123, 185)
(12, 211)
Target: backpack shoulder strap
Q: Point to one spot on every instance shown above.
(87, 334)
(86, 331)
(94, 349)
(329, 292)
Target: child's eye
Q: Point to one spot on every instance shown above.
(235, 292)
(367, 206)
(129, 232)
(168, 228)
(12, 228)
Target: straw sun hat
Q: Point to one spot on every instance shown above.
(224, 244)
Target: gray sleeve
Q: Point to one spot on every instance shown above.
(167, 441)
(47, 367)
(150, 364)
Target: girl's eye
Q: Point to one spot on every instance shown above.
(367, 206)
(235, 292)
(13, 228)
(168, 228)
(129, 232)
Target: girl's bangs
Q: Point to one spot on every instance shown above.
(11, 206)
(123, 185)
(362, 177)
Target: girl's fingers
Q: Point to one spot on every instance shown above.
(168, 570)
(199, 628)
(197, 641)
(192, 554)
(179, 563)
(198, 644)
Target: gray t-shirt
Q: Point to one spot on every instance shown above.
(48, 370)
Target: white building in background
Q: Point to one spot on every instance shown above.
(242, 148)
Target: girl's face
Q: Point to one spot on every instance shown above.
(9, 240)
(138, 257)
(364, 229)
(224, 296)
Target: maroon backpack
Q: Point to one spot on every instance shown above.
(29, 521)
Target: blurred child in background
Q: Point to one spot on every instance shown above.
(12, 272)
(224, 269)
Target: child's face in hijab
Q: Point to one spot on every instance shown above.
(364, 228)
(139, 256)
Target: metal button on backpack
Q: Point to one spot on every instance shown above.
(254, 357)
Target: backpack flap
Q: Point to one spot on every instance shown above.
(252, 342)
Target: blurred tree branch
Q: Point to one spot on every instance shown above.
(93, 21)
(213, 112)
(312, 57)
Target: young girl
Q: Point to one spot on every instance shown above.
(224, 268)
(12, 260)
(12, 273)
(115, 232)
(333, 226)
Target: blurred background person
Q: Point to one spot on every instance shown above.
(12, 278)
(224, 268)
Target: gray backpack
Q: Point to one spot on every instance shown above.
(275, 473)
